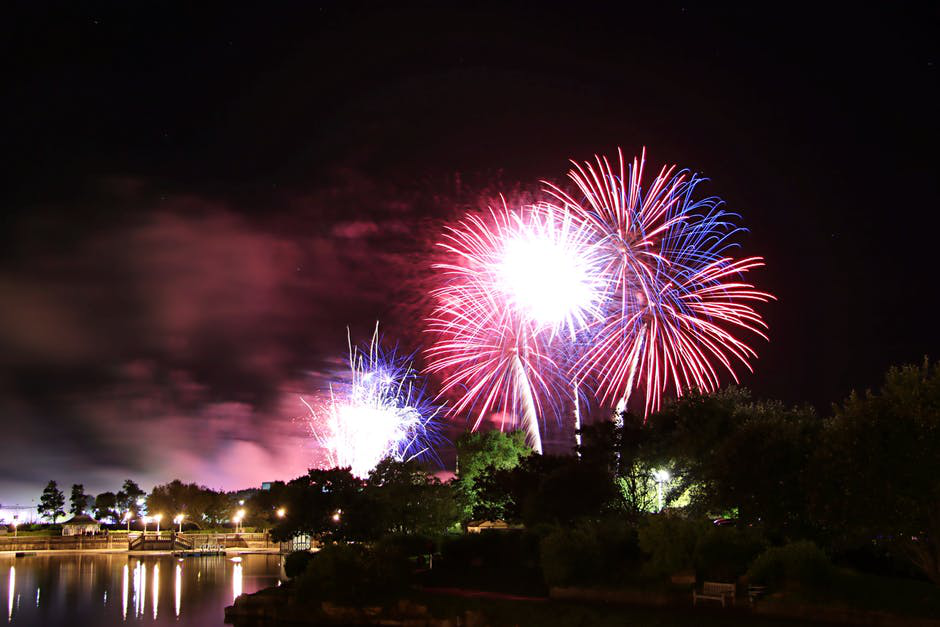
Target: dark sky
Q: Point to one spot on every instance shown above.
(199, 199)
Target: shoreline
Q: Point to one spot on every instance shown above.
(227, 552)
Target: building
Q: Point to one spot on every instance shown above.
(81, 525)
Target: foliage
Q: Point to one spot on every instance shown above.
(879, 457)
(52, 502)
(589, 552)
(128, 496)
(507, 561)
(351, 574)
(295, 563)
(800, 564)
(199, 504)
(724, 553)
(482, 451)
(405, 499)
(544, 489)
(313, 500)
(670, 542)
(78, 500)
(106, 506)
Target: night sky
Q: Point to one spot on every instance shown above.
(198, 201)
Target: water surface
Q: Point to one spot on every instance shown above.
(117, 589)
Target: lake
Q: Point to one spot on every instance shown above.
(117, 588)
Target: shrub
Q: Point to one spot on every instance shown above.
(409, 544)
(296, 563)
(670, 542)
(724, 553)
(569, 556)
(589, 552)
(351, 574)
(491, 549)
(507, 561)
(798, 564)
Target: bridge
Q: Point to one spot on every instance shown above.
(159, 542)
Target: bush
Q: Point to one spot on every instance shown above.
(296, 563)
(590, 552)
(798, 564)
(409, 544)
(670, 542)
(724, 553)
(350, 574)
(570, 556)
(506, 561)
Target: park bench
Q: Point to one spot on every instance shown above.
(714, 591)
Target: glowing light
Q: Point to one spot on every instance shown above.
(677, 291)
(178, 588)
(11, 593)
(336, 515)
(661, 477)
(513, 280)
(236, 580)
(124, 594)
(281, 512)
(156, 589)
(382, 411)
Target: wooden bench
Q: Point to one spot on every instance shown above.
(714, 591)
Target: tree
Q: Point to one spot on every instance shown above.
(877, 468)
(128, 496)
(317, 504)
(106, 506)
(199, 504)
(78, 500)
(52, 502)
(405, 498)
(480, 451)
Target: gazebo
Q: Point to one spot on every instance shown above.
(80, 525)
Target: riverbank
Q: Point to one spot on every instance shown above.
(122, 542)
(282, 606)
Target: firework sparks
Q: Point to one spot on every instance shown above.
(515, 281)
(383, 411)
(676, 291)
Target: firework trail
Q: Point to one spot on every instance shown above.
(675, 289)
(516, 284)
(383, 411)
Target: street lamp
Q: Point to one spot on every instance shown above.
(127, 519)
(145, 520)
(158, 518)
(281, 512)
(16, 522)
(239, 515)
(179, 521)
(336, 515)
(661, 477)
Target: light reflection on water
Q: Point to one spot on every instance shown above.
(113, 589)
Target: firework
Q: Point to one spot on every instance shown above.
(515, 285)
(676, 292)
(382, 411)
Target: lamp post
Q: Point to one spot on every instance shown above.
(661, 477)
(127, 519)
(179, 521)
(237, 519)
(145, 520)
(16, 522)
(158, 518)
(281, 512)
